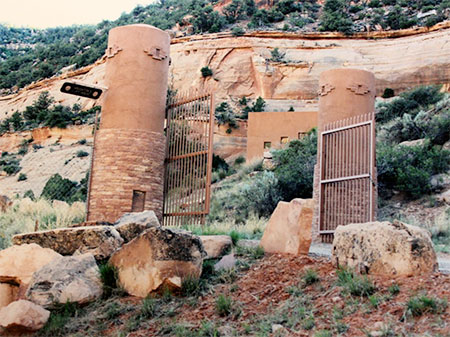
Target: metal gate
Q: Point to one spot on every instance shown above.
(189, 133)
(347, 168)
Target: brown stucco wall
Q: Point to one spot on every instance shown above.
(271, 126)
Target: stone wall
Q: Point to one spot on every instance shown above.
(126, 161)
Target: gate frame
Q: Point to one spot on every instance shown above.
(176, 101)
(336, 127)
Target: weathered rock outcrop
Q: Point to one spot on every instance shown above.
(130, 225)
(158, 257)
(289, 228)
(384, 248)
(101, 241)
(216, 245)
(23, 316)
(68, 279)
(7, 294)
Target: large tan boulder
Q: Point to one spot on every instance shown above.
(130, 225)
(23, 316)
(156, 258)
(67, 279)
(18, 263)
(101, 241)
(384, 248)
(216, 245)
(289, 228)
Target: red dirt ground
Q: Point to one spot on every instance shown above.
(262, 290)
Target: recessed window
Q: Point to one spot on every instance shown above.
(138, 201)
(302, 134)
(267, 145)
(284, 140)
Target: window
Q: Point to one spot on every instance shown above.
(302, 134)
(284, 140)
(138, 201)
(267, 145)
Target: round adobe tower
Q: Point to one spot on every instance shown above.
(129, 149)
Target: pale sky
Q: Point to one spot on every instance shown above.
(54, 13)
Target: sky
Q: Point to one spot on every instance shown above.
(54, 13)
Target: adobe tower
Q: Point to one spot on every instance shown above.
(128, 160)
(345, 174)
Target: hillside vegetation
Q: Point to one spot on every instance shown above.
(28, 55)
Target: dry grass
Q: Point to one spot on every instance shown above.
(21, 217)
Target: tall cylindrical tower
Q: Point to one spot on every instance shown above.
(345, 174)
(128, 161)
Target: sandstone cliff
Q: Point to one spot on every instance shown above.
(399, 60)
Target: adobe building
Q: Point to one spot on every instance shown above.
(345, 175)
(271, 130)
(127, 173)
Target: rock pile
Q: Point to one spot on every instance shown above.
(49, 268)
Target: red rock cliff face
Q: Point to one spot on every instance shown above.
(242, 67)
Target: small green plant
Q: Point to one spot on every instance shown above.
(82, 141)
(82, 153)
(257, 253)
(58, 320)
(341, 327)
(310, 277)
(308, 323)
(394, 289)
(148, 308)
(22, 177)
(323, 333)
(224, 305)
(419, 305)
(228, 275)
(235, 236)
(108, 276)
(239, 160)
(206, 71)
(29, 194)
(374, 301)
(191, 286)
(354, 284)
(112, 310)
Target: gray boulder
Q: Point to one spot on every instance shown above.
(100, 241)
(67, 279)
(130, 225)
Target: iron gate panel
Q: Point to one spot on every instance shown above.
(189, 133)
(347, 168)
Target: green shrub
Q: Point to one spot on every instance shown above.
(388, 93)
(224, 305)
(276, 56)
(225, 115)
(239, 160)
(409, 102)
(22, 177)
(334, 17)
(82, 153)
(206, 71)
(11, 168)
(148, 308)
(354, 284)
(310, 277)
(419, 305)
(394, 289)
(409, 168)
(238, 31)
(259, 105)
(23, 150)
(82, 141)
(191, 286)
(29, 194)
(374, 3)
(109, 278)
(294, 167)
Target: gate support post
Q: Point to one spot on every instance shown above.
(346, 97)
(128, 166)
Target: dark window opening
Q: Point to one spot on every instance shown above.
(138, 201)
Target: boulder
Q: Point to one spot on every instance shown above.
(18, 263)
(7, 294)
(226, 263)
(216, 245)
(101, 241)
(23, 316)
(156, 258)
(70, 278)
(289, 228)
(384, 248)
(130, 225)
